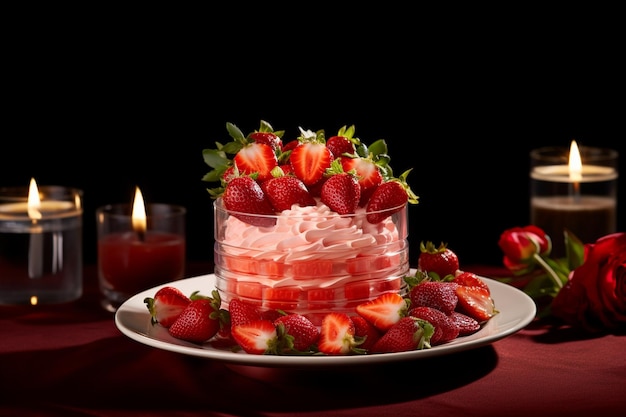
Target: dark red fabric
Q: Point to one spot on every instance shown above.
(71, 360)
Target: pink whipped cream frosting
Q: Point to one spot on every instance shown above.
(308, 233)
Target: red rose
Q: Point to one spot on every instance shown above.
(595, 295)
(520, 246)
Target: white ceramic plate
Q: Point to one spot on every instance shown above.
(516, 310)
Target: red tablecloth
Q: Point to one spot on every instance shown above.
(71, 360)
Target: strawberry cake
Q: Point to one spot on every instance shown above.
(310, 226)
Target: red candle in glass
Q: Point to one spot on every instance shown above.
(130, 264)
(139, 251)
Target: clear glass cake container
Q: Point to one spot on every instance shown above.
(309, 260)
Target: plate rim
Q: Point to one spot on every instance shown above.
(498, 327)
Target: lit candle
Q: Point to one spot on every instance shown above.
(35, 248)
(40, 244)
(138, 249)
(578, 196)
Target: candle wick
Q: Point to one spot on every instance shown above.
(577, 192)
(141, 235)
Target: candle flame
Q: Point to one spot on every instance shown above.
(575, 163)
(33, 300)
(139, 213)
(34, 202)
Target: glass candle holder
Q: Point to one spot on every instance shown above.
(585, 204)
(41, 251)
(130, 262)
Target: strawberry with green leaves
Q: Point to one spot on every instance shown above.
(200, 320)
(408, 334)
(368, 174)
(343, 142)
(297, 333)
(440, 261)
(389, 198)
(445, 328)
(257, 160)
(366, 331)
(341, 191)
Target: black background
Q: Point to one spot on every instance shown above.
(105, 111)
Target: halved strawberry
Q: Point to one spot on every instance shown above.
(198, 322)
(337, 335)
(383, 311)
(299, 333)
(445, 328)
(166, 305)
(409, 333)
(470, 279)
(256, 158)
(310, 160)
(256, 337)
(476, 303)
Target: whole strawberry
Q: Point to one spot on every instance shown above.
(441, 260)
(242, 312)
(367, 172)
(199, 321)
(285, 191)
(445, 327)
(341, 193)
(410, 333)
(298, 332)
(343, 142)
(436, 294)
(366, 331)
(338, 145)
(244, 195)
(389, 198)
